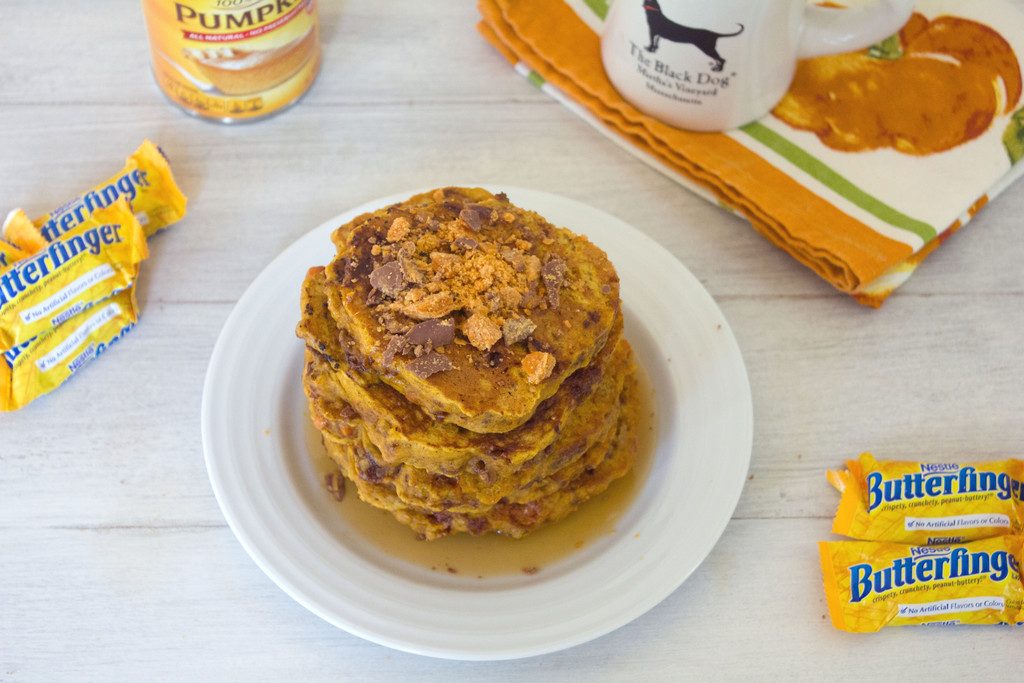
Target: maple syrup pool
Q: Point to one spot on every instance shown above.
(492, 554)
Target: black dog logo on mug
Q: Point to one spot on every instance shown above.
(712, 65)
(704, 40)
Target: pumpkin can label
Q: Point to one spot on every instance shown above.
(233, 60)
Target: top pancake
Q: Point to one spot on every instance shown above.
(472, 308)
(337, 383)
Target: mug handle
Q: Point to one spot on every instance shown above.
(830, 31)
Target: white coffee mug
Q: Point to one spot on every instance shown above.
(716, 64)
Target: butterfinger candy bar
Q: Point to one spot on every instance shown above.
(146, 182)
(869, 585)
(929, 503)
(93, 261)
(19, 230)
(9, 255)
(42, 364)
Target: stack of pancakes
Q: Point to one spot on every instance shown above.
(465, 365)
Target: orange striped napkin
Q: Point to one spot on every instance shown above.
(859, 193)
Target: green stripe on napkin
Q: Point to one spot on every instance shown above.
(837, 183)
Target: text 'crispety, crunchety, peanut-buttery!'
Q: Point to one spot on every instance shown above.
(233, 60)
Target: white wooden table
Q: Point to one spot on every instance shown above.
(115, 561)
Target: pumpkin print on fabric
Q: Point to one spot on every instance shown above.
(932, 87)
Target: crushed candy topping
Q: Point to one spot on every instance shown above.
(436, 333)
(429, 364)
(538, 366)
(553, 273)
(388, 279)
(516, 330)
(471, 277)
(481, 331)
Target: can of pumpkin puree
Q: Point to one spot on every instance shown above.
(233, 60)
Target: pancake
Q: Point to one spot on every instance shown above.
(486, 477)
(465, 365)
(467, 490)
(529, 304)
(401, 432)
(545, 501)
(420, 489)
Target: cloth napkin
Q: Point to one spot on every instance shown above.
(860, 194)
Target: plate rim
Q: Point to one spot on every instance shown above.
(266, 563)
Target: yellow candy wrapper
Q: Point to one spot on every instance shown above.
(929, 503)
(44, 363)
(869, 586)
(19, 230)
(9, 255)
(95, 260)
(147, 183)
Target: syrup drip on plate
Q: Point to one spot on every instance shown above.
(492, 554)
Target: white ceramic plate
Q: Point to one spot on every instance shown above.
(253, 426)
